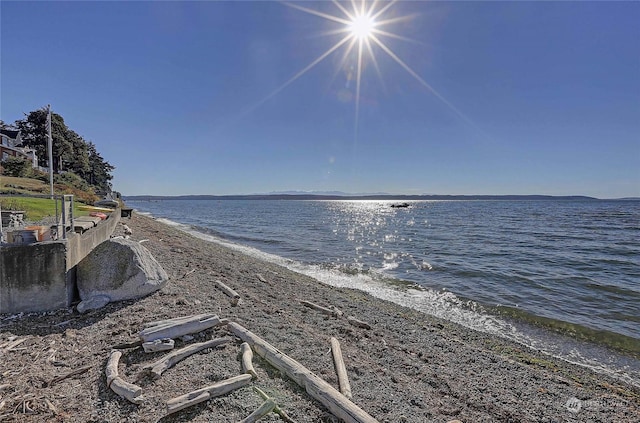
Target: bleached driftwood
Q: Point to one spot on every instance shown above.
(359, 323)
(341, 370)
(235, 297)
(266, 408)
(261, 278)
(163, 344)
(176, 356)
(279, 411)
(330, 397)
(179, 328)
(329, 311)
(129, 391)
(203, 394)
(68, 375)
(174, 320)
(247, 357)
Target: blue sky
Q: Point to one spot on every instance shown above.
(188, 97)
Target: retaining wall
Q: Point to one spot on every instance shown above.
(41, 276)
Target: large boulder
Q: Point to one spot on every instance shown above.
(119, 269)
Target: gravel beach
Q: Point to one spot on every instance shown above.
(408, 367)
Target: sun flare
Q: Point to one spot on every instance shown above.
(362, 26)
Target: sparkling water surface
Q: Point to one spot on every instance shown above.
(575, 262)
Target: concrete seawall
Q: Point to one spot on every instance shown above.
(41, 276)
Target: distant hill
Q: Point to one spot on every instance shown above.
(343, 196)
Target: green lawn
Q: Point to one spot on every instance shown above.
(36, 208)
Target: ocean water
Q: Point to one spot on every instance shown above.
(559, 276)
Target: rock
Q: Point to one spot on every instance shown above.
(119, 269)
(93, 303)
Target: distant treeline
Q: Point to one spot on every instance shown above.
(356, 197)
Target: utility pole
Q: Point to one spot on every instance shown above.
(50, 148)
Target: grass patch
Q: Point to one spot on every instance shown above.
(36, 208)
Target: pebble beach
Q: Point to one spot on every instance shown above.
(405, 366)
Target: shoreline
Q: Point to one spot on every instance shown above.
(409, 367)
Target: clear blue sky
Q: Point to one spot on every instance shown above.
(533, 97)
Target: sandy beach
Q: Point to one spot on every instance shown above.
(408, 367)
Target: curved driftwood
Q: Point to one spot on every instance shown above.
(247, 356)
(176, 356)
(179, 328)
(266, 408)
(330, 397)
(129, 391)
(203, 394)
(341, 370)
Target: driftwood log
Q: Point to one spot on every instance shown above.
(247, 357)
(358, 323)
(180, 327)
(163, 344)
(235, 297)
(266, 408)
(203, 394)
(333, 311)
(178, 319)
(129, 391)
(176, 356)
(330, 397)
(341, 370)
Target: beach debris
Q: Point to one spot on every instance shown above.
(341, 370)
(126, 229)
(129, 391)
(9, 345)
(76, 372)
(261, 278)
(187, 274)
(93, 303)
(279, 411)
(333, 311)
(175, 328)
(235, 297)
(134, 344)
(358, 323)
(163, 344)
(206, 393)
(176, 356)
(247, 357)
(320, 390)
(264, 409)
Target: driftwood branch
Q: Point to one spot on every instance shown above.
(179, 328)
(163, 344)
(235, 297)
(129, 391)
(247, 357)
(176, 356)
(261, 278)
(341, 370)
(134, 344)
(329, 311)
(358, 323)
(68, 375)
(279, 411)
(266, 408)
(174, 320)
(203, 394)
(330, 397)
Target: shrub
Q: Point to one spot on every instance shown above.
(17, 166)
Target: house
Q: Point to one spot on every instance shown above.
(10, 146)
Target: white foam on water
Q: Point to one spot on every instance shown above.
(441, 304)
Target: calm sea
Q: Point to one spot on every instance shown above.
(560, 276)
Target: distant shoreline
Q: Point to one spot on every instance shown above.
(368, 197)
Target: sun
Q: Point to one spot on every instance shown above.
(362, 26)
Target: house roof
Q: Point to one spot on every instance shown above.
(11, 133)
